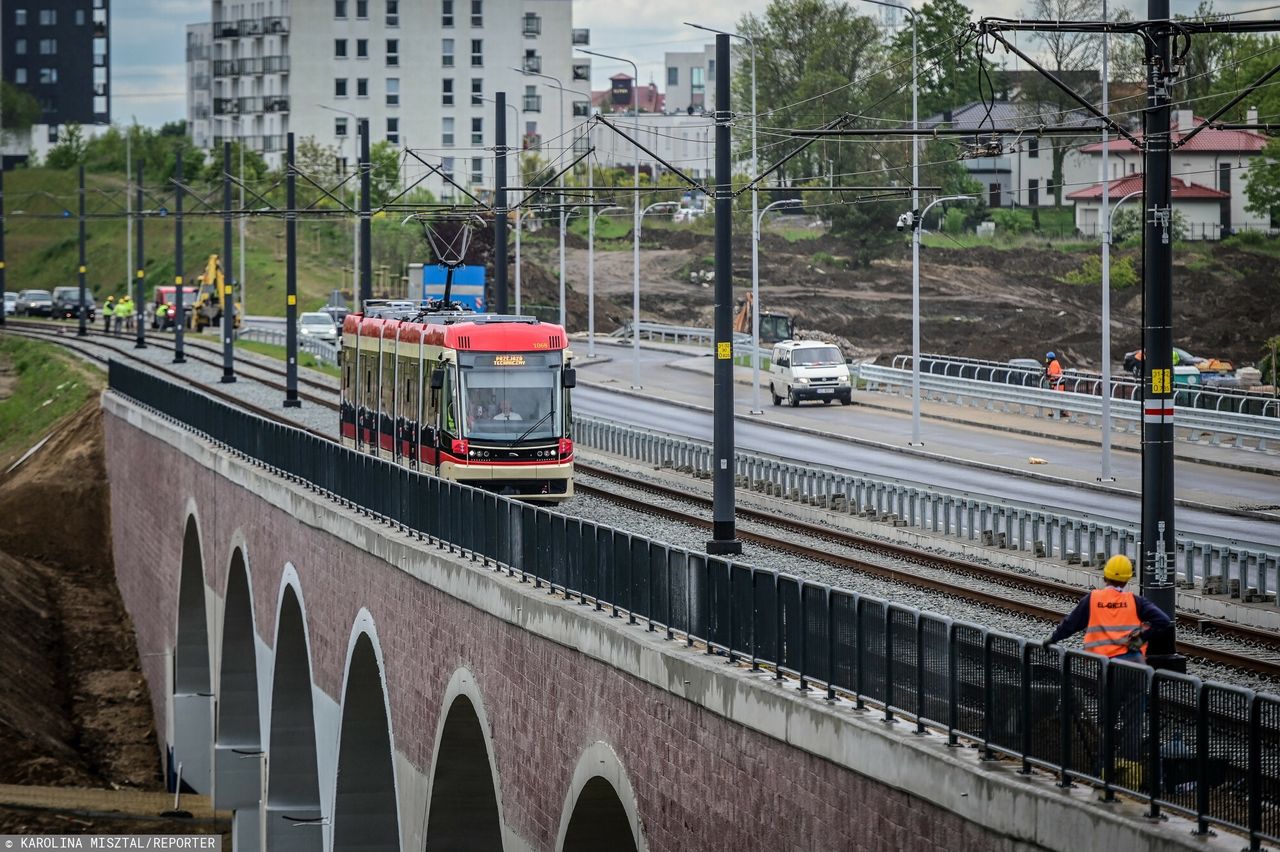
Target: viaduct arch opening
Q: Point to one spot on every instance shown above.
(599, 820)
(293, 784)
(365, 815)
(238, 744)
(192, 704)
(464, 804)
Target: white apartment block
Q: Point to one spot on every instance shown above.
(418, 71)
(685, 141)
(200, 84)
(691, 80)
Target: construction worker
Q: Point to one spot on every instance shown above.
(108, 310)
(1053, 372)
(119, 313)
(1115, 622)
(124, 311)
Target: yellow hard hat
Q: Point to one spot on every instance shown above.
(1119, 569)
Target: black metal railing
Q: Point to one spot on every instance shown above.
(1209, 751)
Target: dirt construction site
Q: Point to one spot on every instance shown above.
(981, 302)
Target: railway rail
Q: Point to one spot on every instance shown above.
(1267, 664)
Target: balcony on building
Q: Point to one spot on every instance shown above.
(226, 29)
(582, 70)
(533, 64)
(532, 25)
(533, 103)
(275, 64)
(581, 37)
(224, 106)
(275, 103)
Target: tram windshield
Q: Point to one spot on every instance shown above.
(507, 396)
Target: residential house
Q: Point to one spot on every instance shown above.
(1200, 207)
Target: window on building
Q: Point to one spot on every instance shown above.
(993, 195)
(48, 17)
(1033, 192)
(362, 48)
(393, 13)
(340, 126)
(446, 131)
(19, 17)
(1033, 148)
(20, 76)
(20, 46)
(477, 91)
(393, 51)
(477, 52)
(1048, 190)
(362, 8)
(477, 13)
(1224, 177)
(393, 130)
(581, 109)
(711, 68)
(446, 13)
(532, 25)
(446, 91)
(339, 48)
(48, 46)
(477, 170)
(362, 87)
(340, 87)
(339, 8)
(696, 79)
(80, 17)
(673, 76)
(393, 91)
(446, 52)
(48, 76)
(477, 130)
(446, 166)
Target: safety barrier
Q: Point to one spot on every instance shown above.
(1218, 565)
(324, 352)
(1210, 397)
(1245, 431)
(1203, 749)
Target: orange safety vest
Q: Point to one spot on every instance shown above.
(1113, 616)
(1054, 369)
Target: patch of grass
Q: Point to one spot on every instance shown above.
(795, 235)
(610, 226)
(1090, 272)
(45, 385)
(1254, 241)
(305, 359)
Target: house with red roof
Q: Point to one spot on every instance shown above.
(1212, 168)
(1200, 207)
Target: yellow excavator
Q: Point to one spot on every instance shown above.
(773, 326)
(211, 298)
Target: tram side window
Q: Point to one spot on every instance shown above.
(409, 393)
(348, 380)
(369, 399)
(432, 402)
(388, 385)
(447, 402)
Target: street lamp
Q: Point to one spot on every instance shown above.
(1108, 213)
(635, 212)
(756, 221)
(355, 202)
(914, 219)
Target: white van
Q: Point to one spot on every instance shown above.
(809, 369)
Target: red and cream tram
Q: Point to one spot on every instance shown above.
(483, 399)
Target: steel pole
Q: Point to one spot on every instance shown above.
(560, 89)
(591, 282)
(140, 309)
(724, 539)
(1158, 531)
(2, 283)
(916, 440)
(519, 216)
(291, 281)
(244, 294)
(366, 248)
(1106, 271)
(128, 219)
(756, 406)
(179, 322)
(227, 296)
(500, 208)
(83, 330)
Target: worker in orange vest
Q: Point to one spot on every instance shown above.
(1053, 372)
(1115, 622)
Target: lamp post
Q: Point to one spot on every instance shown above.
(635, 224)
(355, 226)
(916, 219)
(1107, 213)
(756, 407)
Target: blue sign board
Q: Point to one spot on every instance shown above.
(468, 285)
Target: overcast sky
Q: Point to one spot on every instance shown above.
(148, 40)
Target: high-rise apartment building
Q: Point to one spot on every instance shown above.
(57, 51)
(200, 84)
(422, 72)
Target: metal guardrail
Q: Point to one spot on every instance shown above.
(1202, 749)
(1195, 425)
(325, 352)
(1206, 396)
(1214, 564)
(688, 334)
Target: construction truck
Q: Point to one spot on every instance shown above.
(773, 327)
(209, 301)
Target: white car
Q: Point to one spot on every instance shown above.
(809, 369)
(318, 325)
(10, 303)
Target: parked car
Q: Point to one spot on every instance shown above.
(34, 303)
(10, 302)
(809, 369)
(1133, 360)
(338, 312)
(66, 303)
(318, 325)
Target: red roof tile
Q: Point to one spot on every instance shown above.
(1206, 140)
(1133, 183)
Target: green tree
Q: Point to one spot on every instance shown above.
(1263, 190)
(948, 77)
(70, 150)
(18, 109)
(384, 172)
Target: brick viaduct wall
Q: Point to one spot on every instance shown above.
(703, 755)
